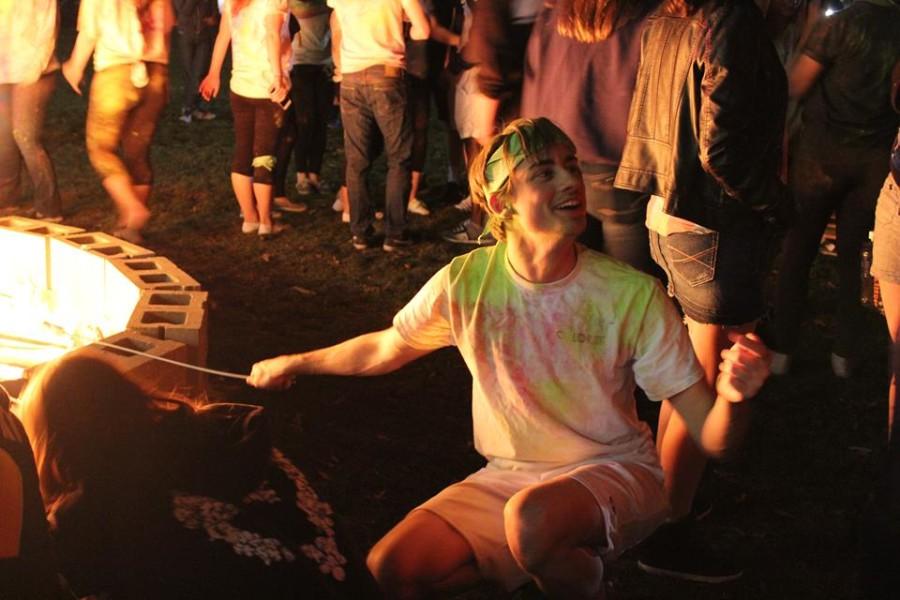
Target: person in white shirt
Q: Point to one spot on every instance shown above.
(556, 337)
(257, 33)
(129, 40)
(369, 34)
(28, 67)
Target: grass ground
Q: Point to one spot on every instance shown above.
(787, 508)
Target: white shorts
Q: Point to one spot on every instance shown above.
(630, 495)
(467, 104)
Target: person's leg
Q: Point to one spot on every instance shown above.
(268, 118)
(890, 295)
(359, 129)
(553, 529)
(187, 44)
(29, 104)
(140, 127)
(242, 160)
(389, 108)
(419, 113)
(682, 460)
(10, 160)
(814, 192)
(423, 556)
(112, 98)
(855, 218)
(324, 97)
(287, 140)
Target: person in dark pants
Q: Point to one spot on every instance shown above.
(838, 164)
(196, 21)
(373, 98)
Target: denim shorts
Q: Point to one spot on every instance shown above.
(717, 277)
(886, 245)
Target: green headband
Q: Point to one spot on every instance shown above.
(504, 160)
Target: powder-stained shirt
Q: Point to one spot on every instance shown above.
(554, 366)
(121, 34)
(27, 40)
(251, 73)
(371, 33)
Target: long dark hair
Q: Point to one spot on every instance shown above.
(594, 20)
(95, 431)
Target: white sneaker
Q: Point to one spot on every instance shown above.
(841, 366)
(464, 205)
(338, 205)
(248, 227)
(781, 363)
(417, 207)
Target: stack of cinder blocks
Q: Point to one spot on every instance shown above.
(92, 281)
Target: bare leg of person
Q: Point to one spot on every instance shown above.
(243, 191)
(133, 215)
(682, 461)
(263, 194)
(890, 294)
(552, 529)
(422, 556)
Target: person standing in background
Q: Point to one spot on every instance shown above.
(196, 21)
(129, 41)
(28, 68)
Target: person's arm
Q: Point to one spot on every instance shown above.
(335, 25)
(373, 353)
(804, 74)
(278, 87)
(441, 34)
(73, 69)
(420, 26)
(718, 424)
(209, 87)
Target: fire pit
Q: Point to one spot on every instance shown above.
(63, 289)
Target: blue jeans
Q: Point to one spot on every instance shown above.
(22, 112)
(370, 99)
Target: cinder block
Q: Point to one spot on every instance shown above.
(154, 273)
(37, 226)
(108, 245)
(156, 375)
(185, 325)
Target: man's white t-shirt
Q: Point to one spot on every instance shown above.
(117, 30)
(554, 366)
(27, 40)
(371, 33)
(251, 73)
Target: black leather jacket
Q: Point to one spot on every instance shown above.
(706, 125)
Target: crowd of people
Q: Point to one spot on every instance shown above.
(608, 152)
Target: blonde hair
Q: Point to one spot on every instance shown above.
(595, 20)
(520, 139)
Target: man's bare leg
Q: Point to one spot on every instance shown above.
(423, 556)
(552, 529)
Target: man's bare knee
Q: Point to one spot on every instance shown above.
(391, 571)
(526, 521)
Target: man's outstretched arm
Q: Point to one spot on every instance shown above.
(718, 420)
(373, 353)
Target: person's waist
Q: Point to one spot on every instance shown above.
(376, 71)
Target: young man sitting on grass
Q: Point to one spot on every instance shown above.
(556, 338)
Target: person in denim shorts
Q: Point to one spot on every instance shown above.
(886, 253)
